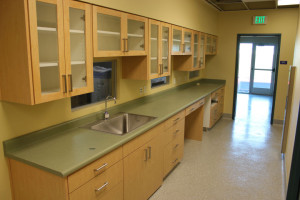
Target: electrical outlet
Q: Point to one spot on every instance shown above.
(141, 90)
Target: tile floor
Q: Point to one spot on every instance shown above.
(237, 160)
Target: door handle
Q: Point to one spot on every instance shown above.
(65, 86)
(146, 154)
(149, 155)
(71, 83)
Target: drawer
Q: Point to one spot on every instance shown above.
(142, 139)
(108, 184)
(174, 119)
(173, 154)
(194, 106)
(87, 173)
(174, 132)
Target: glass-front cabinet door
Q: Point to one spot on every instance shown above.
(208, 45)
(196, 43)
(165, 49)
(202, 50)
(187, 42)
(177, 45)
(154, 49)
(108, 36)
(47, 48)
(136, 40)
(78, 47)
(214, 45)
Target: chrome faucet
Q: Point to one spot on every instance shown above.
(106, 115)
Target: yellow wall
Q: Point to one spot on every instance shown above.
(17, 120)
(295, 108)
(283, 21)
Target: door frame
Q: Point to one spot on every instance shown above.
(293, 191)
(237, 72)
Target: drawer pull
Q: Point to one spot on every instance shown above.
(102, 187)
(98, 169)
(192, 109)
(177, 130)
(201, 103)
(175, 147)
(149, 156)
(146, 154)
(176, 120)
(175, 161)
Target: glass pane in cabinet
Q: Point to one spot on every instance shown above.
(154, 49)
(77, 41)
(136, 35)
(109, 32)
(202, 43)
(208, 44)
(165, 48)
(214, 45)
(48, 47)
(177, 35)
(196, 53)
(187, 41)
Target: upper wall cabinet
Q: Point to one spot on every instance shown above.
(119, 34)
(55, 52)
(211, 45)
(159, 49)
(181, 41)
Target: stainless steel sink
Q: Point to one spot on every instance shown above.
(121, 123)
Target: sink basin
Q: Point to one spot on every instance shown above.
(121, 123)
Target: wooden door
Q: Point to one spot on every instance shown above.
(47, 48)
(136, 29)
(78, 47)
(108, 32)
(177, 40)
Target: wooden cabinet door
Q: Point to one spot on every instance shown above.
(143, 171)
(47, 48)
(202, 50)
(108, 32)
(78, 47)
(187, 42)
(165, 49)
(177, 40)
(196, 50)
(214, 45)
(154, 49)
(208, 50)
(136, 29)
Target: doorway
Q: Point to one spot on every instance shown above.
(256, 68)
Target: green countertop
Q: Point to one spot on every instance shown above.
(67, 147)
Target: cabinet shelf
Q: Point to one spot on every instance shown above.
(187, 41)
(154, 39)
(80, 62)
(175, 40)
(135, 35)
(153, 58)
(165, 58)
(109, 33)
(165, 40)
(77, 31)
(48, 64)
(46, 29)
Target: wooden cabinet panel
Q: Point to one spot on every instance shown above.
(217, 106)
(174, 132)
(100, 185)
(143, 171)
(89, 172)
(174, 119)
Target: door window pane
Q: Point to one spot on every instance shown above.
(48, 47)
(136, 35)
(154, 49)
(245, 56)
(262, 79)
(264, 57)
(109, 32)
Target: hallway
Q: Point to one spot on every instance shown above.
(236, 160)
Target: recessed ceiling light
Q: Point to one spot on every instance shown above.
(287, 2)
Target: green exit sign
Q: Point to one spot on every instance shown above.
(260, 19)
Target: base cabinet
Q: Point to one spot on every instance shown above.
(217, 106)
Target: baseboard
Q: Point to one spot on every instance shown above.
(227, 115)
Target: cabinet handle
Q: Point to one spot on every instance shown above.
(124, 43)
(71, 82)
(98, 169)
(177, 130)
(192, 109)
(146, 154)
(175, 160)
(65, 87)
(183, 48)
(127, 50)
(149, 156)
(176, 120)
(102, 187)
(175, 147)
(161, 68)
